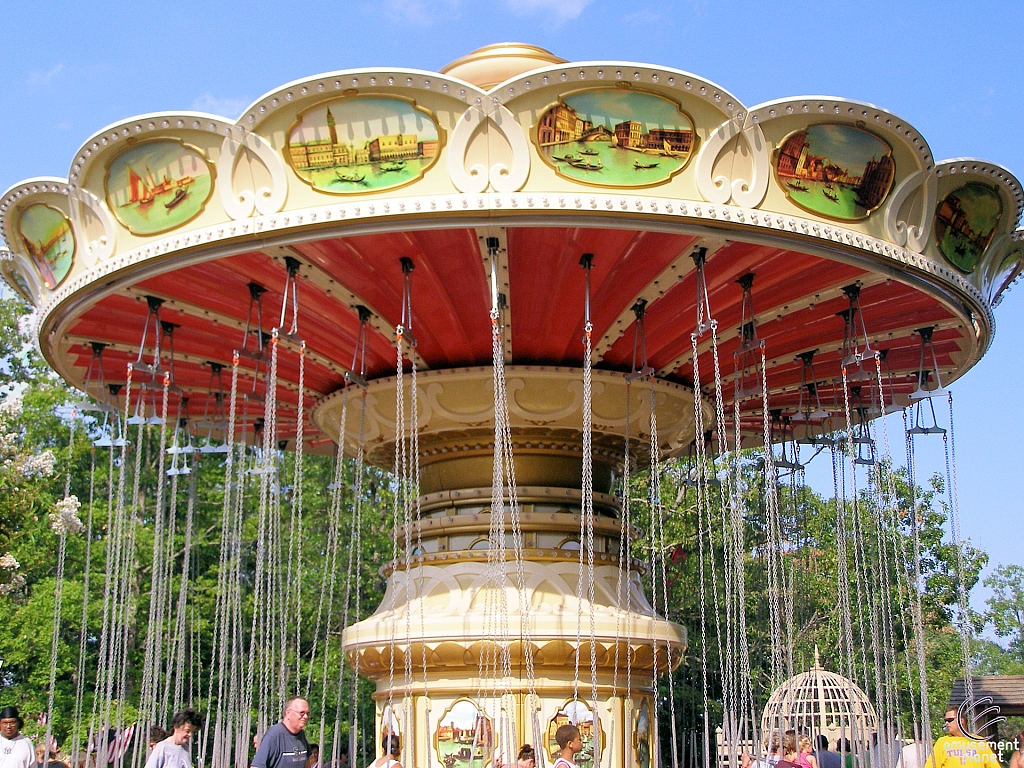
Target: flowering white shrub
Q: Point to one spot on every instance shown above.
(9, 563)
(17, 582)
(64, 517)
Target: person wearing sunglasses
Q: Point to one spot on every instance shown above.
(957, 749)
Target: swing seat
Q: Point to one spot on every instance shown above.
(928, 394)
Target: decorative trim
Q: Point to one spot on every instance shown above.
(438, 210)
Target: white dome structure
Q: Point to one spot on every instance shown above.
(821, 702)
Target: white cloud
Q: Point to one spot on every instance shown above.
(47, 77)
(560, 10)
(227, 107)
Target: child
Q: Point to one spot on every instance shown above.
(806, 758)
(571, 743)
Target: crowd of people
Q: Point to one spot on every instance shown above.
(955, 749)
(284, 745)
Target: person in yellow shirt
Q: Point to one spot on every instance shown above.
(958, 750)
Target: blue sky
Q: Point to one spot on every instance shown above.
(954, 70)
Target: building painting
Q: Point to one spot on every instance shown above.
(616, 137)
(362, 143)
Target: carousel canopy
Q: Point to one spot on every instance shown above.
(828, 229)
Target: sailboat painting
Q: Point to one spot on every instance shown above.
(48, 239)
(156, 186)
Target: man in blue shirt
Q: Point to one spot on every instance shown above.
(284, 744)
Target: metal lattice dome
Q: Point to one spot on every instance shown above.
(822, 702)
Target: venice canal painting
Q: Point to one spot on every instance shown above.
(48, 240)
(964, 224)
(579, 714)
(156, 186)
(362, 143)
(616, 137)
(835, 170)
(464, 736)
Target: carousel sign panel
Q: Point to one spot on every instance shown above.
(463, 737)
(362, 144)
(965, 222)
(156, 186)
(49, 241)
(835, 170)
(616, 137)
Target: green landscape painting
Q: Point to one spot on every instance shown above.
(49, 241)
(965, 221)
(362, 144)
(835, 170)
(157, 186)
(463, 736)
(616, 137)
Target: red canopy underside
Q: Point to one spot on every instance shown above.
(796, 297)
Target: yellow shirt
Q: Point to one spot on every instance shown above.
(961, 752)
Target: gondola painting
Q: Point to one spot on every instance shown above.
(835, 170)
(156, 186)
(363, 144)
(965, 221)
(616, 137)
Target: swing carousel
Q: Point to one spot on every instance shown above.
(513, 284)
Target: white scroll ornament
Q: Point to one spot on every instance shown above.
(240, 205)
(478, 177)
(93, 251)
(721, 189)
(913, 236)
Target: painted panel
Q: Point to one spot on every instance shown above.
(362, 144)
(48, 239)
(17, 281)
(965, 221)
(835, 170)
(643, 735)
(463, 736)
(579, 714)
(156, 186)
(616, 137)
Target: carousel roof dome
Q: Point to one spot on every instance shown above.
(819, 701)
(486, 67)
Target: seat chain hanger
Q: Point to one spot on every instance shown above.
(928, 349)
(214, 416)
(258, 354)
(785, 432)
(168, 329)
(705, 322)
(861, 438)
(854, 332)
(404, 329)
(922, 394)
(356, 374)
(95, 402)
(152, 368)
(645, 371)
(181, 428)
(804, 413)
(746, 362)
(291, 291)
